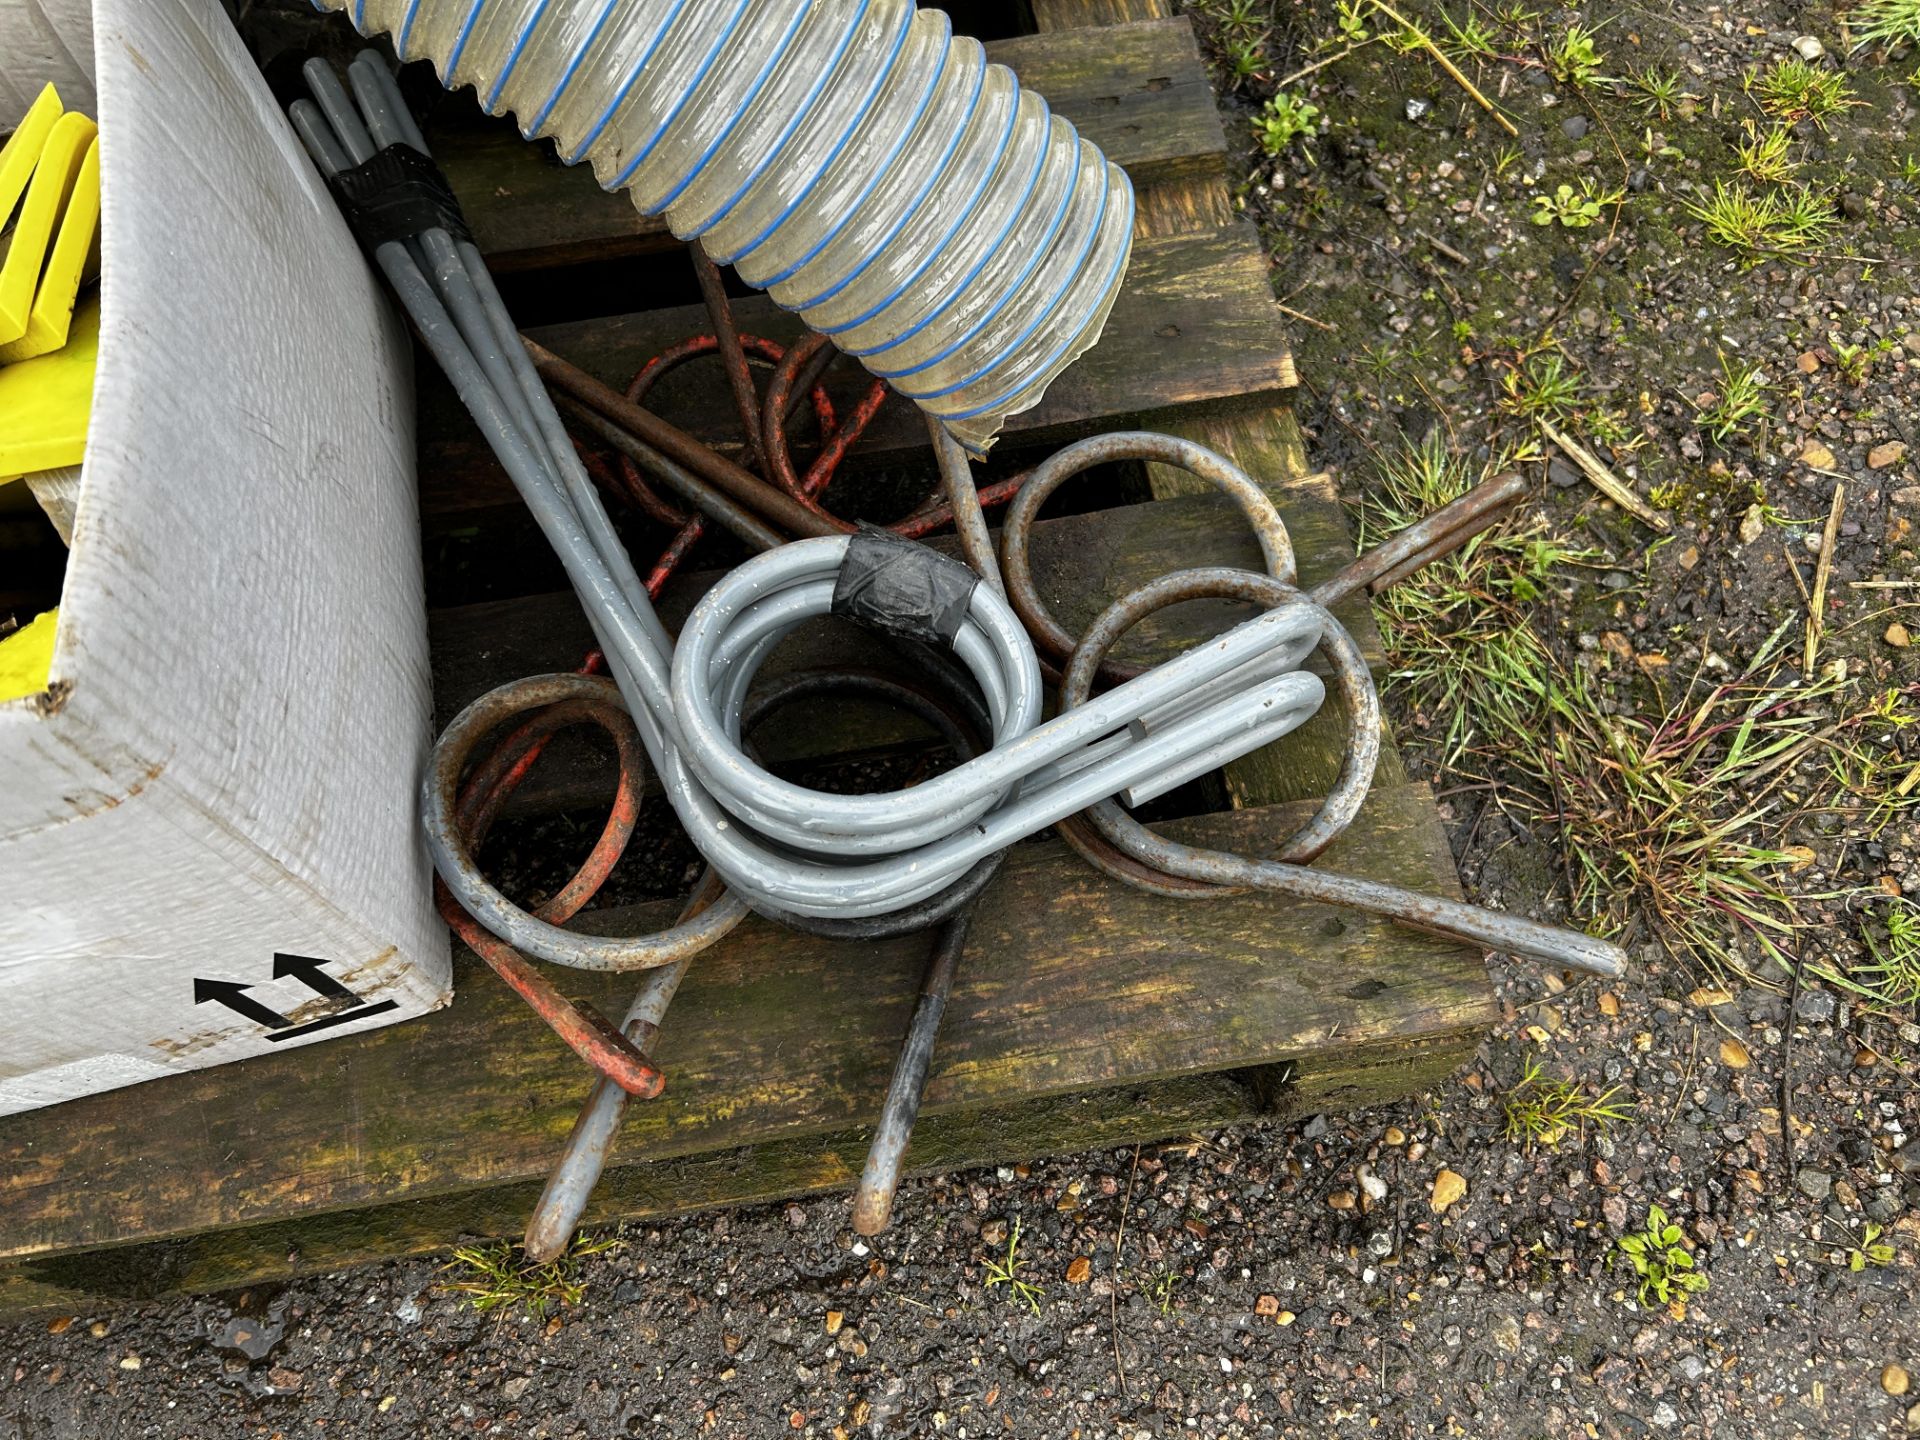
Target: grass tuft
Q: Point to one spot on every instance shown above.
(1889, 23)
(1764, 155)
(1541, 1112)
(1887, 982)
(1540, 388)
(1791, 222)
(1742, 399)
(1795, 89)
(499, 1278)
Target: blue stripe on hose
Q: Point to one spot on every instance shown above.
(360, 14)
(874, 175)
(1113, 278)
(406, 29)
(801, 111)
(1037, 254)
(1053, 301)
(460, 44)
(777, 53)
(566, 77)
(626, 85)
(1013, 214)
(666, 124)
(880, 173)
(513, 55)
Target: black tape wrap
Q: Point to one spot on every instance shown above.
(397, 194)
(902, 587)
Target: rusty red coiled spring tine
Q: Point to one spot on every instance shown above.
(588, 1033)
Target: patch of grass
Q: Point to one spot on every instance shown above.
(1470, 37)
(1576, 210)
(1656, 92)
(1006, 1271)
(1789, 222)
(1888, 982)
(1891, 23)
(1460, 633)
(1660, 1258)
(1540, 1111)
(1541, 387)
(1284, 119)
(1765, 155)
(499, 1278)
(1742, 400)
(1794, 89)
(1680, 819)
(1573, 58)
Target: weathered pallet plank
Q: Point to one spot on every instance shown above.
(1139, 92)
(1070, 983)
(277, 1250)
(1194, 325)
(1067, 16)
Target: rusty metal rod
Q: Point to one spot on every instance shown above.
(1426, 540)
(730, 479)
(963, 496)
(887, 1153)
(733, 358)
(683, 482)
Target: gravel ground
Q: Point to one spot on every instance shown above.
(1411, 1270)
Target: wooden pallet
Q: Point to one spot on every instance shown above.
(1086, 1014)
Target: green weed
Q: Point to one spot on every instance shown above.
(1869, 1249)
(1470, 37)
(1573, 58)
(1764, 155)
(1657, 92)
(1159, 1289)
(1660, 1258)
(1540, 1111)
(1006, 1271)
(1540, 388)
(1790, 222)
(1888, 983)
(1742, 399)
(1576, 210)
(1285, 118)
(1460, 635)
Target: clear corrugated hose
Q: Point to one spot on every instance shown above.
(865, 166)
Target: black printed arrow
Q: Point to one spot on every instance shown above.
(312, 974)
(232, 994)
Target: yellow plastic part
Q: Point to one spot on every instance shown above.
(52, 313)
(46, 402)
(53, 180)
(22, 150)
(26, 658)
